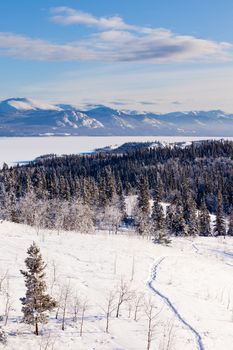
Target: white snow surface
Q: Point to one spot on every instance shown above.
(194, 274)
(24, 149)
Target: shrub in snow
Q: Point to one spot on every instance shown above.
(3, 336)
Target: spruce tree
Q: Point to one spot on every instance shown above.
(220, 225)
(204, 221)
(157, 195)
(175, 218)
(190, 214)
(158, 226)
(144, 196)
(102, 196)
(230, 227)
(36, 303)
(110, 188)
(142, 210)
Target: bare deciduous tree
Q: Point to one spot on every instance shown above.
(124, 295)
(109, 308)
(84, 308)
(75, 307)
(54, 276)
(168, 340)
(47, 342)
(64, 303)
(138, 303)
(9, 302)
(151, 314)
(3, 278)
(133, 269)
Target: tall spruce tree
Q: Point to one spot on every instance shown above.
(144, 196)
(158, 225)
(37, 303)
(110, 189)
(142, 210)
(175, 218)
(220, 225)
(190, 213)
(230, 227)
(204, 221)
(157, 195)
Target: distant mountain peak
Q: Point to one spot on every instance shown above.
(25, 104)
(28, 117)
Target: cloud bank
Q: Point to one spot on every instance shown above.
(113, 40)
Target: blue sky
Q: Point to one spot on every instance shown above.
(157, 55)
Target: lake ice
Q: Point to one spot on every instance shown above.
(23, 149)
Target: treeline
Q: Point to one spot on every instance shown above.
(205, 168)
(97, 184)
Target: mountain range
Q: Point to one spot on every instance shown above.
(26, 117)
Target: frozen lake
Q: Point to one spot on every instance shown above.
(23, 149)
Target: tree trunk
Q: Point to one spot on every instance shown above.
(63, 319)
(107, 322)
(36, 329)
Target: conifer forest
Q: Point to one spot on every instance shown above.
(125, 238)
(195, 181)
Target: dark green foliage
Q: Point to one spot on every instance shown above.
(195, 173)
(220, 225)
(37, 302)
(204, 221)
(190, 212)
(158, 224)
(206, 167)
(230, 227)
(175, 218)
(144, 196)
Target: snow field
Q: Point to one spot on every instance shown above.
(195, 275)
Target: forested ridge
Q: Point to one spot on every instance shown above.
(201, 173)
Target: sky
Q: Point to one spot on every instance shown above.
(152, 55)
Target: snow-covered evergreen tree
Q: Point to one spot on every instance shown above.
(220, 225)
(190, 214)
(158, 225)
(144, 196)
(157, 216)
(142, 209)
(230, 227)
(37, 303)
(142, 222)
(204, 221)
(175, 218)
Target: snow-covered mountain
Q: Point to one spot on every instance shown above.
(24, 104)
(26, 117)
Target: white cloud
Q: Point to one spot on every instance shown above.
(66, 15)
(115, 41)
(204, 88)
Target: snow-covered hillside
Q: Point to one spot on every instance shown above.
(27, 117)
(25, 104)
(189, 283)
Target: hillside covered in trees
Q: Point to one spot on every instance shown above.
(89, 190)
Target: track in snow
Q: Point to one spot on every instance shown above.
(171, 306)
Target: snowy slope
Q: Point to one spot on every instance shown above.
(27, 117)
(24, 104)
(194, 275)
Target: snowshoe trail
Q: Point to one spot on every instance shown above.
(152, 279)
